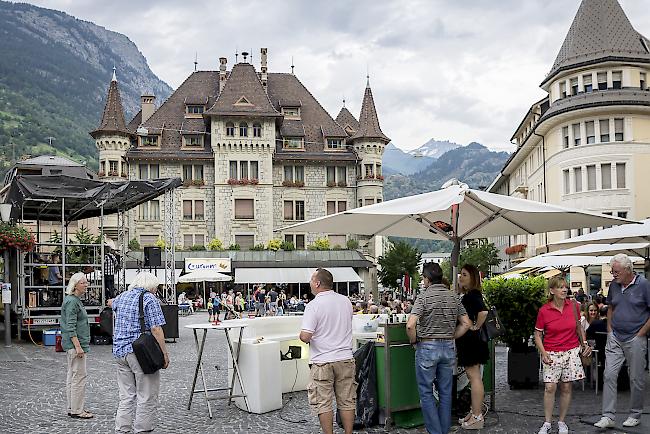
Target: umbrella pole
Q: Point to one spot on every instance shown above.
(455, 254)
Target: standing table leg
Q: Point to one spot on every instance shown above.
(235, 362)
(199, 368)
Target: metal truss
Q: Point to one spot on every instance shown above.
(120, 284)
(169, 286)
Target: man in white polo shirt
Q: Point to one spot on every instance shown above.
(327, 328)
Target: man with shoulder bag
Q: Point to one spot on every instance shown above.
(139, 352)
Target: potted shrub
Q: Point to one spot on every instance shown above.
(287, 246)
(234, 247)
(215, 245)
(274, 245)
(517, 302)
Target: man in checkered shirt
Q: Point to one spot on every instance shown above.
(138, 391)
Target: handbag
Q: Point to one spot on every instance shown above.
(586, 360)
(492, 327)
(146, 348)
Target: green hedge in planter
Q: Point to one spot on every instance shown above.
(517, 302)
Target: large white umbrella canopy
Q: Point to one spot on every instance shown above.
(455, 213)
(639, 233)
(204, 275)
(433, 215)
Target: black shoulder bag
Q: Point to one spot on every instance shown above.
(492, 327)
(146, 348)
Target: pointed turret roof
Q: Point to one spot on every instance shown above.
(600, 32)
(368, 121)
(243, 94)
(347, 120)
(113, 116)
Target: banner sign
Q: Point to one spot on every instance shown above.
(222, 265)
(6, 293)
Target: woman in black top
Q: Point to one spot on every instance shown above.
(472, 351)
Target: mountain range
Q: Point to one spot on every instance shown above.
(407, 162)
(473, 164)
(54, 74)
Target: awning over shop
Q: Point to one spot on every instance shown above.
(291, 275)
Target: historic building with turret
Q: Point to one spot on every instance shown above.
(586, 144)
(255, 150)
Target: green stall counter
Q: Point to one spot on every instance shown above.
(397, 390)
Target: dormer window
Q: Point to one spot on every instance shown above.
(563, 89)
(195, 109)
(602, 80)
(230, 129)
(194, 140)
(334, 143)
(149, 140)
(586, 82)
(574, 86)
(291, 112)
(292, 143)
(243, 129)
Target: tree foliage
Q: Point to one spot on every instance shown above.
(481, 255)
(400, 259)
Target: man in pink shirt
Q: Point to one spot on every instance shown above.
(327, 328)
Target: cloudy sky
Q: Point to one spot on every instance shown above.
(446, 69)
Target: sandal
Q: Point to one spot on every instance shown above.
(474, 422)
(82, 415)
(464, 419)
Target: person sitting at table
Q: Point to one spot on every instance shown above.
(589, 315)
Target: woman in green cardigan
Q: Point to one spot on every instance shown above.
(75, 338)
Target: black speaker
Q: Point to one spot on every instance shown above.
(152, 256)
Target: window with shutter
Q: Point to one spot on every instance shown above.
(244, 209)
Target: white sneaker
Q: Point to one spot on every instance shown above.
(605, 422)
(630, 421)
(562, 428)
(545, 429)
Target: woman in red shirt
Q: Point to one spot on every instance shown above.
(560, 350)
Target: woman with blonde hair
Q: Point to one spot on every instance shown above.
(564, 340)
(472, 351)
(75, 339)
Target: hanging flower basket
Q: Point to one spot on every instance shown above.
(16, 237)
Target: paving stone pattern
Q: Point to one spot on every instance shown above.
(33, 397)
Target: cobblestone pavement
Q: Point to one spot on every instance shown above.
(33, 400)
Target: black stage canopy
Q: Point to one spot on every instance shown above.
(41, 197)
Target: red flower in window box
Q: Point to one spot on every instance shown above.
(380, 177)
(198, 182)
(101, 173)
(254, 181)
(331, 184)
(517, 248)
(233, 181)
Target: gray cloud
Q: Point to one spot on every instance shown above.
(460, 70)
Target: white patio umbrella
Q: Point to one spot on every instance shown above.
(634, 249)
(204, 275)
(639, 233)
(455, 213)
(566, 262)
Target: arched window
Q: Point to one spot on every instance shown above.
(257, 130)
(230, 129)
(243, 129)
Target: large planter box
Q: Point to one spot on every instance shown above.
(523, 369)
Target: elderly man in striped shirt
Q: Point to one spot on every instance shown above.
(437, 318)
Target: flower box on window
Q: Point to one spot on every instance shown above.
(297, 184)
(112, 173)
(331, 184)
(342, 184)
(198, 182)
(254, 181)
(517, 248)
(124, 175)
(379, 177)
(232, 181)
(101, 173)
(187, 183)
